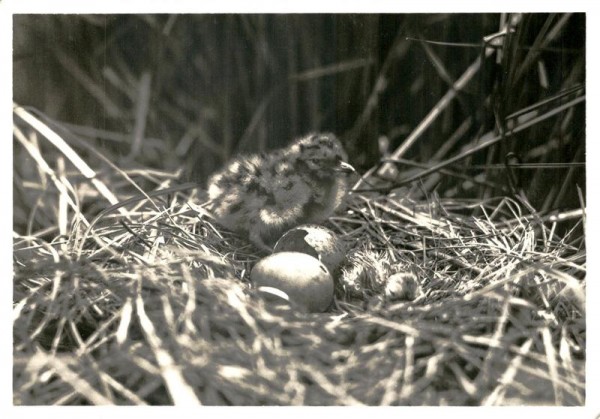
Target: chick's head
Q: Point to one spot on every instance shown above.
(320, 154)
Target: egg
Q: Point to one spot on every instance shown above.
(301, 277)
(316, 241)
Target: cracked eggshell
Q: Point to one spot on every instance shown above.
(304, 279)
(316, 241)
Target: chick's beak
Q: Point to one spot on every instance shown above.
(344, 167)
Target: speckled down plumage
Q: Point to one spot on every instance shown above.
(262, 196)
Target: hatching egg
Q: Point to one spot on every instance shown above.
(303, 278)
(317, 241)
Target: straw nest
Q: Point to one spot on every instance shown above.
(150, 303)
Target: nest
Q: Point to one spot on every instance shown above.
(153, 306)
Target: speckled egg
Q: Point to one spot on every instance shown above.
(304, 279)
(316, 241)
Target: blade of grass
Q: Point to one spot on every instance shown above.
(495, 397)
(76, 381)
(493, 140)
(331, 69)
(545, 36)
(552, 365)
(36, 155)
(142, 105)
(438, 64)
(443, 103)
(181, 392)
(68, 152)
(120, 205)
(83, 77)
(379, 85)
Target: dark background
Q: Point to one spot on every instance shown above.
(224, 84)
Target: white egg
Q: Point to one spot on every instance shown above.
(304, 279)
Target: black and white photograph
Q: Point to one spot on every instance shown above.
(299, 209)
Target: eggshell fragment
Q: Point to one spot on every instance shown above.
(304, 279)
(317, 241)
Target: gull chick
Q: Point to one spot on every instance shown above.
(262, 196)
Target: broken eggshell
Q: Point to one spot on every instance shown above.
(306, 281)
(316, 241)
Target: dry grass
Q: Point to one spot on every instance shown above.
(126, 292)
(153, 305)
